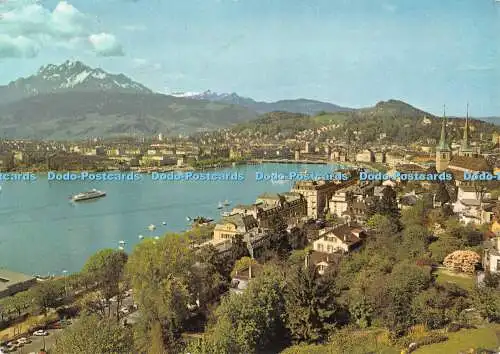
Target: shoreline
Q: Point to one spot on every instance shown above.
(184, 168)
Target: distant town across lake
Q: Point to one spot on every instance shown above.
(43, 232)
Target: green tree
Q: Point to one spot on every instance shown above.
(491, 280)
(487, 302)
(247, 322)
(210, 255)
(297, 238)
(238, 249)
(442, 195)
(205, 285)
(445, 245)
(106, 269)
(310, 304)
(361, 312)
(405, 282)
(415, 240)
(242, 264)
(389, 204)
(91, 334)
(159, 272)
(382, 225)
(47, 294)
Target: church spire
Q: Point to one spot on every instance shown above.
(443, 145)
(466, 129)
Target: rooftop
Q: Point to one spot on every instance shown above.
(470, 163)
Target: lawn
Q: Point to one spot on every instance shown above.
(464, 281)
(485, 338)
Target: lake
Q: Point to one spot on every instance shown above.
(43, 232)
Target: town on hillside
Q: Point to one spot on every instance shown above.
(342, 256)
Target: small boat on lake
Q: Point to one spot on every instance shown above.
(151, 227)
(201, 220)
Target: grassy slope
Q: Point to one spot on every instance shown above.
(464, 281)
(466, 339)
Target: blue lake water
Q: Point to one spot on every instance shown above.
(42, 231)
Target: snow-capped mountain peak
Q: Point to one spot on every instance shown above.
(210, 95)
(75, 75)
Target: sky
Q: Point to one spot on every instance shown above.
(349, 52)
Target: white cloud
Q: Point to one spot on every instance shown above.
(106, 45)
(17, 47)
(27, 26)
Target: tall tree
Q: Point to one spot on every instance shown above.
(389, 204)
(47, 294)
(239, 249)
(159, 272)
(442, 195)
(249, 322)
(91, 334)
(310, 304)
(106, 269)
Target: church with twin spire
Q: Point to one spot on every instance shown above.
(466, 159)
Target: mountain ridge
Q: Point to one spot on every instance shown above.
(298, 105)
(73, 100)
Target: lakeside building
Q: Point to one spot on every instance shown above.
(12, 283)
(319, 193)
(333, 243)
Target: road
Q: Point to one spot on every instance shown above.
(37, 342)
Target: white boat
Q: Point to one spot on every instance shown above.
(226, 213)
(220, 206)
(92, 194)
(227, 202)
(151, 227)
(122, 242)
(188, 218)
(164, 223)
(141, 237)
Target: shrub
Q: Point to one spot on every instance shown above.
(429, 339)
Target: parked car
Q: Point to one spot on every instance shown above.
(24, 340)
(40, 333)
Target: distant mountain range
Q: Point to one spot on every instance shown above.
(75, 101)
(493, 120)
(300, 105)
(68, 77)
